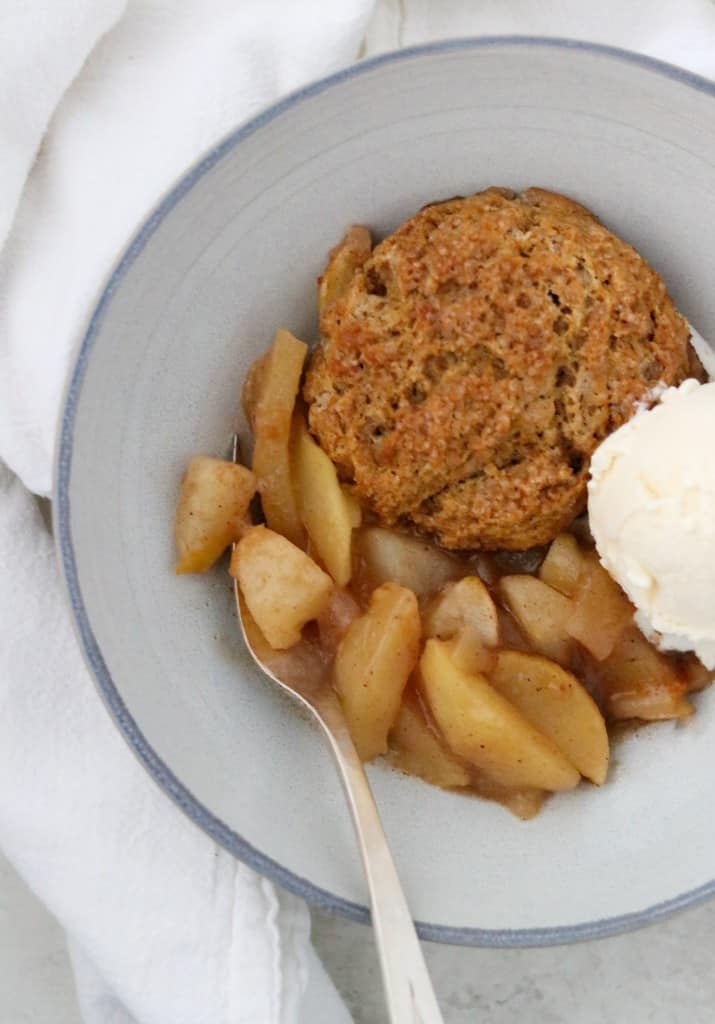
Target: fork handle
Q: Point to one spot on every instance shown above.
(408, 989)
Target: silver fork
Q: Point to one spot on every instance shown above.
(408, 988)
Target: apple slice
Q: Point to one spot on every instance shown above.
(563, 565)
(542, 613)
(272, 396)
(373, 663)
(554, 701)
(639, 682)
(464, 611)
(211, 511)
(328, 512)
(417, 750)
(282, 587)
(601, 612)
(392, 557)
(481, 726)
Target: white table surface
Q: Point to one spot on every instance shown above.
(661, 975)
(36, 985)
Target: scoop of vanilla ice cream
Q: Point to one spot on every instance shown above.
(652, 513)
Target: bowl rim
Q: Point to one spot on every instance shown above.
(160, 772)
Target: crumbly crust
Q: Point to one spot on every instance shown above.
(479, 356)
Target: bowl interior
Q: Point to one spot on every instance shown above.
(231, 254)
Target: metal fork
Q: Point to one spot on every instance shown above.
(408, 988)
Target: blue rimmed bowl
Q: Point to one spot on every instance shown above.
(232, 252)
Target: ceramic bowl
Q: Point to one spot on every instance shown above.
(229, 254)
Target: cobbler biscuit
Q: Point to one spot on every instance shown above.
(479, 356)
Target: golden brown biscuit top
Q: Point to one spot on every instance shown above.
(478, 357)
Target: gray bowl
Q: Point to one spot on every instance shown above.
(229, 254)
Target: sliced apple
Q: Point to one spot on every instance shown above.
(464, 611)
(481, 726)
(601, 612)
(417, 750)
(276, 389)
(336, 618)
(563, 565)
(542, 613)
(465, 603)
(395, 557)
(252, 388)
(373, 663)
(557, 704)
(282, 587)
(328, 512)
(211, 512)
(639, 682)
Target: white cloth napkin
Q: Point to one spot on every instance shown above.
(102, 104)
(166, 926)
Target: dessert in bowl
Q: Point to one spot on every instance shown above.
(232, 253)
(426, 562)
